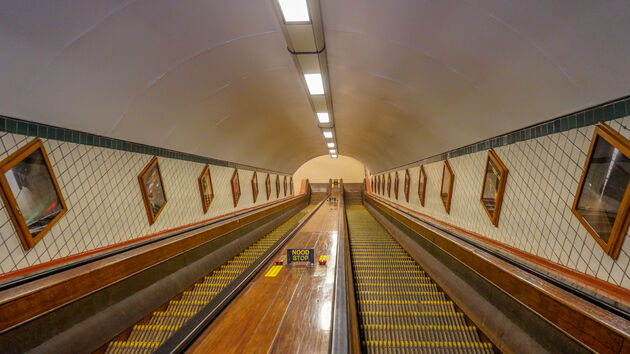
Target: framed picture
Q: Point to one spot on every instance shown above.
(236, 187)
(255, 186)
(152, 188)
(396, 185)
(422, 184)
(382, 185)
(407, 184)
(277, 186)
(31, 193)
(205, 188)
(602, 200)
(446, 189)
(494, 179)
(284, 184)
(389, 185)
(291, 186)
(268, 185)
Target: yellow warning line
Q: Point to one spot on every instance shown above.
(273, 271)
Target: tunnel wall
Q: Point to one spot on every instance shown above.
(536, 214)
(105, 205)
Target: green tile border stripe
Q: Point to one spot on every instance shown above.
(601, 113)
(44, 131)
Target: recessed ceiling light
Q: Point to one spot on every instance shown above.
(333, 151)
(331, 145)
(314, 83)
(294, 10)
(334, 156)
(328, 134)
(323, 117)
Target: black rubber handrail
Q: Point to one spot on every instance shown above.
(340, 335)
(90, 259)
(187, 333)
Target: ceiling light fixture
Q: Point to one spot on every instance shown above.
(323, 117)
(314, 83)
(331, 145)
(334, 156)
(328, 134)
(294, 10)
(333, 151)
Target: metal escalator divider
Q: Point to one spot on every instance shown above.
(149, 334)
(400, 307)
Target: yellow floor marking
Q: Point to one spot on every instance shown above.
(273, 271)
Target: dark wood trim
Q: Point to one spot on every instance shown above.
(620, 226)
(449, 197)
(254, 186)
(407, 184)
(235, 183)
(498, 200)
(268, 186)
(592, 326)
(396, 184)
(26, 238)
(205, 172)
(145, 193)
(28, 301)
(422, 185)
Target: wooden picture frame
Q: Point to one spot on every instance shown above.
(607, 214)
(494, 179)
(407, 185)
(268, 185)
(396, 185)
(152, 189)
(29, 169)
(422, 185)
(205, 188)
(235, 183)
(254, 186)
(389, 185)
(277, 186)
(383, 185)
(284, 184)
(446, 187)
(291, 186)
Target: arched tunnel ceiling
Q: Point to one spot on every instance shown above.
(409, 78)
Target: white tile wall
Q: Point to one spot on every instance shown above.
(536, 213)
(104, 202)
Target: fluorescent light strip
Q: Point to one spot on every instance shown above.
(331, 145)
(314, 83)
(333, 151)
(328, 134)
(294, 10)
(334, 156)
(323, 117)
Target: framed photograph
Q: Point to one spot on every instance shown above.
(422, 185)
(291, 185)
(602, 200)
(396, 185)
(31, 193)
(446, 189)
(268, 185)
(389, 185)
(152, 188)
(407, 184)
(277, 186)
(255, 186)
(284, 184)
(236, 187)
(494, 179)
(205, 188)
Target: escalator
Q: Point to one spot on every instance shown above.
(147, 335)
(400, 308)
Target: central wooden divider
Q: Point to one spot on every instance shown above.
(290, 312)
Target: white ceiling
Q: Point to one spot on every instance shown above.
(409, 78)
